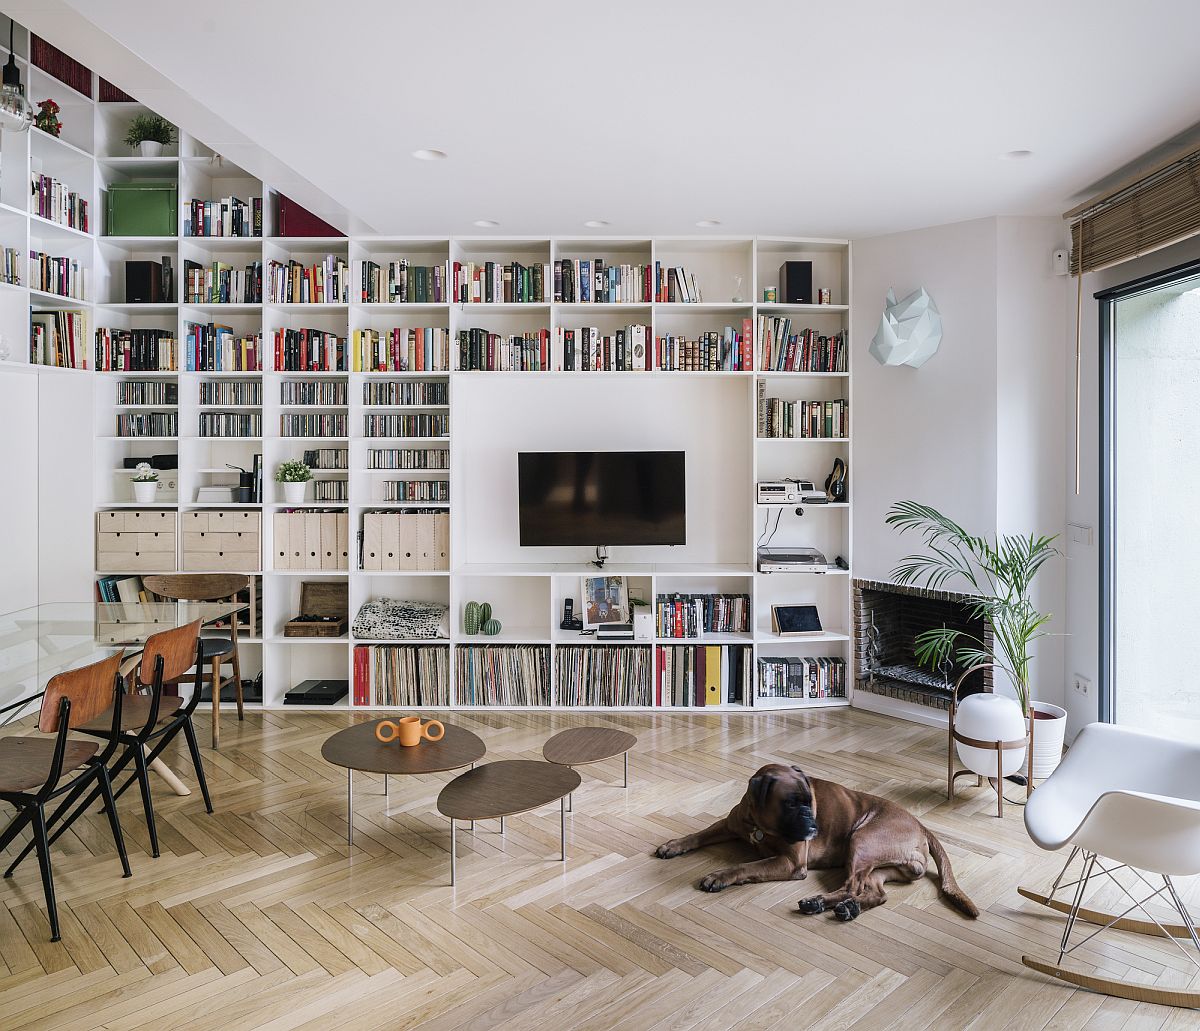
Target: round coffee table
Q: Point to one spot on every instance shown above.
(357, 748)
(581, 746)
(506, 788)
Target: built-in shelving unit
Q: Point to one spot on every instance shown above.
(528, 593)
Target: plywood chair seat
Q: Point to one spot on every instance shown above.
(135, 711)
(26, 762)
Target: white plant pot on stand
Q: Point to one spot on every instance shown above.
(145, 492)
(1049, 733)
(293, 492)
(150, 149)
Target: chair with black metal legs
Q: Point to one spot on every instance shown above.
(32, 768)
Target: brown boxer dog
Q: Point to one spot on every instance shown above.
(798, 822)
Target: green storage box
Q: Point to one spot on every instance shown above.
(147, 208)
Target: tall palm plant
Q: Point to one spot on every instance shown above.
(999, 572)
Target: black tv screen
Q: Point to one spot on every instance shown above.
(595, 498)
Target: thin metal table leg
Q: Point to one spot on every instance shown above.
(501, 824)
(385, 786)
(626, 784)
(349, 806)
(453, 857)
(562, 826)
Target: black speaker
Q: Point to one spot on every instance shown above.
(143, 282)
(795, 282)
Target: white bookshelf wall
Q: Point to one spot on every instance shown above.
(525, 586)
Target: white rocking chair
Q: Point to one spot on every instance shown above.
(1121, 799)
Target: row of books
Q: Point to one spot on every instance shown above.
(230, 392)
(325, 282)
(299, 392)
(58, 338)
(148, 424)
(793, 676)
(587, 350)
(327, 458)
(136, 350)
(805, 351)
(309, 350)
(502, 675)
(10, 273)
(724, 350)
(809, 420)
(329, 490)
(693, 615)
(492, 282)
(229, 424)
(127, 590)
(402, 676)
(56, 202)
(408, 458)
(584, 281)
(221, 283)
(703, 674)
(599, 675)
(416, 490)
(62, 276)
(150, 392)
(213, 347)
(479, 350)
(417, 424)
(402, 283)
(423, 349)
(228, 216)
(313, 424)
(407, 392)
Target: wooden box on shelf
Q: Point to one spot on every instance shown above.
(226, 541)
(321, 599)
(135, 541)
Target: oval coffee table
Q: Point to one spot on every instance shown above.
(357, 748)
(506, 788)
(581, 746)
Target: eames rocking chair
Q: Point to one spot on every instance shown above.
(1122, 800)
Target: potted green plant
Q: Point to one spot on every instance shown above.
(294, 475)
(145, 484)
(999, 573)
(149, 133)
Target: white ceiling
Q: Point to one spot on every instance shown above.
(827, 119)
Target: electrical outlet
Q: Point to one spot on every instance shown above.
(1083, 686)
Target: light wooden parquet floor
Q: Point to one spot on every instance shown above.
(261, 916)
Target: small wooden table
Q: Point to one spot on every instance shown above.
(506, 788)
(581, 746)
(357, 748)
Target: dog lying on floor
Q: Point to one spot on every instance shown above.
(799, 823)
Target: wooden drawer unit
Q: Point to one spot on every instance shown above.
(406, 541)
(136, 541)
(221, 541)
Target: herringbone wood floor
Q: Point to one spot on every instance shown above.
(261, 916)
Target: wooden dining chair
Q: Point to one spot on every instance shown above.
(32, 768)
(218, 650)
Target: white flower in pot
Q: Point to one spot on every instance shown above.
(999, 573)
(145, 484)
(294, 476)
(148, 134)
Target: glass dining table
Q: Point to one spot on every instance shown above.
(40, 641)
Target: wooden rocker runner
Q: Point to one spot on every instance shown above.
(1122, 800)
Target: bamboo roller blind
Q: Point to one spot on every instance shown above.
(1159, 208)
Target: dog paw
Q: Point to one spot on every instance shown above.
(847, 910)
(669, 850)
(811, 906)
(713, 882)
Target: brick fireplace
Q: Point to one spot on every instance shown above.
(887, 619)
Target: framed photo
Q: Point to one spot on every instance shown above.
(605, 600)
(795, 620)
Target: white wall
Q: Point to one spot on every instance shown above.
(19, 468)
(978, 431)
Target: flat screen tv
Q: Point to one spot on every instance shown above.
(601, 498)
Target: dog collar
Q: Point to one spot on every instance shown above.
(756, 835)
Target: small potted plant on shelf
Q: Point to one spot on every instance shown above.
(149, 133)
(46, 118)
(294, 476)
(145, 484)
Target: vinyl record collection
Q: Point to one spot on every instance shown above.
(502, 674)
(402, 676)
(599, 675)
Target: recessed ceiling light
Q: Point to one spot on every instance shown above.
(428, 155)
(1017, 155)
(708, 223)
(595, 223)
(486, 223)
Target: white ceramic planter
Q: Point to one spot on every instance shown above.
(1048, 737)
(293, 493)
(150, 149)
(989, 717)
(145, 491)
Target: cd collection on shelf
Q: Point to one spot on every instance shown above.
(795, 676)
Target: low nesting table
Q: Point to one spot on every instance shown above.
(581, 746)
(357, 748)
(505, 788)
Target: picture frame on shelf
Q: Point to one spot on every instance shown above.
(605, 600)
(796, 620)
